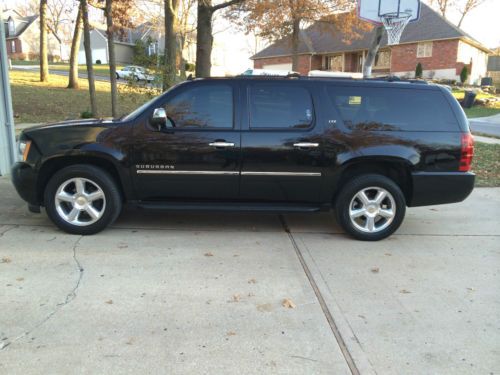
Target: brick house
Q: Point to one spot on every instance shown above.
(442, 48)
(22, 35)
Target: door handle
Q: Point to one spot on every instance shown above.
(306, 144)
(221, 144)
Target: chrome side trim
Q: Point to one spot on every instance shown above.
(157, 171)
(229, 173)
(305, 144)
(293, 174)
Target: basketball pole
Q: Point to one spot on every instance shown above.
(7, 139)
(372, 52)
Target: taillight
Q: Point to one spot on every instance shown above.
(467, 152)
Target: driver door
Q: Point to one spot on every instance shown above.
(197, 154)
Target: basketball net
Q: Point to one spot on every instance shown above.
(394, 24)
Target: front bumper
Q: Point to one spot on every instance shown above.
(24, 179)
(431, 188)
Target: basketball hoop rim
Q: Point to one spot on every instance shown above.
(358, 11)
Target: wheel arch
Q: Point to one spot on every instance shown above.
(52, 165)
(395, 168)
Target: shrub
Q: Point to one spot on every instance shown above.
(464, 74)
(98, 62)
(86, 114)
(189, 67)
(34, 56)
(419, 71)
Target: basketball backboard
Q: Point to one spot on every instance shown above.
(374, 10)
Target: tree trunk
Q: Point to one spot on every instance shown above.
(295, 45)
(108, 11)
(372, 52)
(170, 42)
(204, 39)
(88, 57)
(44, 59)
(75, 47)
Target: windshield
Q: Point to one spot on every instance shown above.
(138, 111)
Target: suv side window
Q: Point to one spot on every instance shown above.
(206, 106)
(279, 106)
(375, 108)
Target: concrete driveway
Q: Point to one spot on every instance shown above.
(165, 293)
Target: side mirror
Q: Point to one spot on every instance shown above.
(159, 119)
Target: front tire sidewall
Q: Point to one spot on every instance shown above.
(357, 184)
(96, 175)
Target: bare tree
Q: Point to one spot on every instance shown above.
(443, 5)
(204, 35)
(171, 23)
(467, 7)
(44, 59)
(59, 17)
(88, 57)
(108, 11)
(75, 47)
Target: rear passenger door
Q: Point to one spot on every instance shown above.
(281, 143)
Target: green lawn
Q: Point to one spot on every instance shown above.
(479, 110)
(486, 164)
(36, 102)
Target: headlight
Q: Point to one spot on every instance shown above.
(24, 149)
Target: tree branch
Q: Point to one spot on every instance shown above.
(214, 8)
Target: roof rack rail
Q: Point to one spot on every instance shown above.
(295, 75)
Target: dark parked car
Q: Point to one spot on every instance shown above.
(367, 148)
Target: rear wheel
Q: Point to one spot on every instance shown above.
(82, 199)
(117, 76)
(370, 207)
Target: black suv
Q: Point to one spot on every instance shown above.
(367, 148)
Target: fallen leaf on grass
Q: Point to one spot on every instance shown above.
(209, 254)
(375, 270)
(231, 333)
(109, 302)
(6, 260)
(404, 291)
(236, 298)
(252, 281)
(288, 303)
(20, 279)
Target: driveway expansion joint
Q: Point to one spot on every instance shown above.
(324, 307)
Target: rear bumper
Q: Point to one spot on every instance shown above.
(431, 188)
(24, 179)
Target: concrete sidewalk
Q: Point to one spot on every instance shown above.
(182, 293)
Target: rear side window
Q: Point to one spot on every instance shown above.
(280, 106)
(370, 108)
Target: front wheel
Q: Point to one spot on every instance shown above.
(370, 207)
(82, 199)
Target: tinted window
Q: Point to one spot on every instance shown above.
(207, 106)
(372, 108)
(280, 106)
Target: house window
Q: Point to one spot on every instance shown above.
(424, 49)
(334, 63)
(383, 59)
(13, 46)
(152, 49)
(12, 27)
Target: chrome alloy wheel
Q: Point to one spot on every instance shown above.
(372, 209)
(80, 201)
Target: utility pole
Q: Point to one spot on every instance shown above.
(7, 139)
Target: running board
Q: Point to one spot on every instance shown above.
(231, 207)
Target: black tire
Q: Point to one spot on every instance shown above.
(117, 76)
(110, 210)
(347, 196)
(136, 78)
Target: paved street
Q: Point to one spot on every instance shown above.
(179, 293)
(486, 125)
